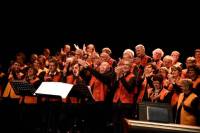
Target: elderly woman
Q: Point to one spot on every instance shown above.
(157, 57)
(188, 108)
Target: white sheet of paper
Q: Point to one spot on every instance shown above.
(54, 88)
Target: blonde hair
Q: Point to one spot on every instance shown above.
(187, 82)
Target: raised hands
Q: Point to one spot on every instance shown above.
(83, 63)
(84, 48)
(76, 46)
(119, 71)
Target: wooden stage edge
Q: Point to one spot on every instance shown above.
(132, 125)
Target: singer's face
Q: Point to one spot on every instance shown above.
(184, 87)
(189, 63)
(192, 74)
(30, 72)
(167, 63)
(104, 56)
(140, 51)
(104, 67)
(16, 66)
(157, 84)
(157, 55)
(175, 73)
(75, 69)
(148, 69)
(66, 48)
(52, 67)
(197, 55)
(127, 56)
(175, 56)
(90, 48)
(163, 73)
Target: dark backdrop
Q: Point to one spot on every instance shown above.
(168, 26)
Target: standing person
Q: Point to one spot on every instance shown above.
(193, 73)
(71, 114)
(106, 57)
(174, 78)
(50, 114)
(176, 55)
(66, 50)
(31, 78)
(158, 92)
(47, 53)
(157, 57)
(140, 52)
(74, 78)
(29, 107)
(188, 108)
(124, 94)
(190, 61)
(53, 75)
(14, 74)
(100, 83)
(149, 71)
(168, 63)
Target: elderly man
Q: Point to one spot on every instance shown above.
(140, 52)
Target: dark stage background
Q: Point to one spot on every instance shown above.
(168, 26)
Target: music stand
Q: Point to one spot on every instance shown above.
(84, 94)
(82, 91)
(22, 88)
(54, 89)
(52, 92)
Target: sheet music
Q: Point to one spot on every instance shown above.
(54, 88)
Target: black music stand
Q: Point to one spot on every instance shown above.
(22, 88)
(83, 92)
(52, 92)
